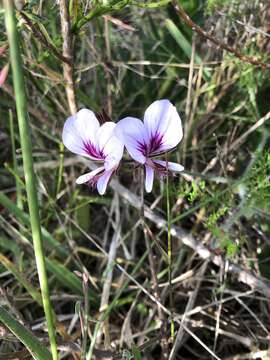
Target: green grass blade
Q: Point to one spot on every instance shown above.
(35, 347)
(184, 44)
(67, 278)
(21, 278)
(49, 240)
(26, 145)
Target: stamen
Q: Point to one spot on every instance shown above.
(93, 181)
(158, 168)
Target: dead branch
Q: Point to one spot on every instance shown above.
(67, 53)
(220, 44)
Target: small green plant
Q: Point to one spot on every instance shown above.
(258, 182)
(224, 240)
(213, 218)
(193, 191)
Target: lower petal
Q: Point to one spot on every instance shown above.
(103, 182)
(88, 176)
(149, 178)
(172, 166)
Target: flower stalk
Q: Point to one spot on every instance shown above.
(169, 251)
(30, 181)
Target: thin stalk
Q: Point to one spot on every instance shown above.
(30, 181)
(61, 168)
(169, 239)
(85, 315)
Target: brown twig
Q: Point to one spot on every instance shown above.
(38, 34)
(220, 44)
(106, 68)
(67, 53)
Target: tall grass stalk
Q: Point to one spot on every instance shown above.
(21, 106)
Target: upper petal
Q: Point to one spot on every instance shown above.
(163, 124)
(132, 133)
(79, 134)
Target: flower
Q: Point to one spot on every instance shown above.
(83, 135)
(160, 132)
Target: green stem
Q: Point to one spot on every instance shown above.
(151, 5)
(169, 238)
(21, 106)
(99, 10)
(61, 168)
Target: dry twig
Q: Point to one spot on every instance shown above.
(67, 53)
(190, 23)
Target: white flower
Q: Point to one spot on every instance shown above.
(160, 132)
(83, 135)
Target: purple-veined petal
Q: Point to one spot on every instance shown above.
(172, 166)
(89, 176)
(103, 182)
(163, 126)
(79, 134)
(132, 133)
(149, 178)
(4, 74)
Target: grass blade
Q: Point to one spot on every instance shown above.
(21, 278)
(35, 347)
(49, 240)
(184, 44)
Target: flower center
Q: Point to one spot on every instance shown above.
(159, 169)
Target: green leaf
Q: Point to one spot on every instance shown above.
(35, 347)
(136, 352)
